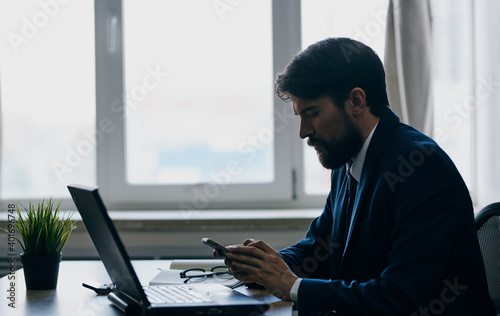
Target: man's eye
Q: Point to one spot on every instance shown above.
(312, 114)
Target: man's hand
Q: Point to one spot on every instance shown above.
(256, 261)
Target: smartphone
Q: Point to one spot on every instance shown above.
(215, 245)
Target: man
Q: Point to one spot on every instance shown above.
(397, 233)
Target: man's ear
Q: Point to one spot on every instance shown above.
(357, 102)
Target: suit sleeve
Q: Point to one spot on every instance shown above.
(309, 258)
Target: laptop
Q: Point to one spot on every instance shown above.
(129, 295)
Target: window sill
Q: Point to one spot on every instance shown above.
(218, 217)
(177, 234)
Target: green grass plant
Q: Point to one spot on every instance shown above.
(42, 229)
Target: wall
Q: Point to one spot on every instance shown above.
(167, 235)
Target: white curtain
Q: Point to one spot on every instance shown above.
(1, 127)
(408, 57)
(487, 97)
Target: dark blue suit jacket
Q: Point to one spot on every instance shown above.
(412, 247)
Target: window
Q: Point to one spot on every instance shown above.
(452, 81)
(486, 92)
(196, 99)
(47, 97)
(170, 104)
(189, 98)
(466, 92)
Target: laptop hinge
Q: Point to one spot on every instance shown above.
(125, 303)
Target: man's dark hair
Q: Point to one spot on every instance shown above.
(333, 67)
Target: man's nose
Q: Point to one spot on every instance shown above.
(305, 129)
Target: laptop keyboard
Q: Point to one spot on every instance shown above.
(174, 294)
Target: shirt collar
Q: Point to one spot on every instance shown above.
(358, 161)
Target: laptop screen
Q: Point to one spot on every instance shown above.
(107, 242)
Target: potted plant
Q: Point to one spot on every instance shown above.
(43, 232)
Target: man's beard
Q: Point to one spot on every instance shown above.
(335, 153)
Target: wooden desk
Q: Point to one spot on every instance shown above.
(72, 299)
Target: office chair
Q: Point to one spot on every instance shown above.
(488, 232)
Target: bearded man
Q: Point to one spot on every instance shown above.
(397, 233)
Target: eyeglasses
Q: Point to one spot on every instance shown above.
(199, 275)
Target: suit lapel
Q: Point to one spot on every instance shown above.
(385, 128)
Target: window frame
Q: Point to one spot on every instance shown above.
(285, 192)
